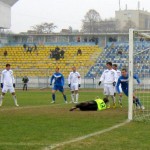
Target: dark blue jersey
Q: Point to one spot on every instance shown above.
(58, 79)
(124, 82)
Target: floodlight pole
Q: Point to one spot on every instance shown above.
(130, 98)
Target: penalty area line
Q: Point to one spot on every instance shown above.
(53, 146)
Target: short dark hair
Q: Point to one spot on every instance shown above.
(7, 65)
(106, 100)
(109, 63)
(57, 68)
(115, 65)
(124, 69)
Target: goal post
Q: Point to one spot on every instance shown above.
(139, 64)
(130, 98)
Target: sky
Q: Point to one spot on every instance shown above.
(65, 13)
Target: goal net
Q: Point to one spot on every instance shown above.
(139, 65)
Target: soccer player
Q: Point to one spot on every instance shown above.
(123, 80)
(74, 82)
(8, 84)
(115, 67)
(25, 81)
(109, 78)
(58, 84)
(92, 105)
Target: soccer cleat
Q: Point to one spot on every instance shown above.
(73, 108)
(66, 102)
(16, 105)
(52, 102)
(142, 107)
(108, 106)
(114, 105)
(120, 104)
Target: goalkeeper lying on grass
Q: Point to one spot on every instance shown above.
(93, 105)
(123, 80)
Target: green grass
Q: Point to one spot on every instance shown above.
(37, 124)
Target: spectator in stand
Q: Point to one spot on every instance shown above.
(5, 53)
(24, 46)
(29, 49)
(62, 52)
(79, 52)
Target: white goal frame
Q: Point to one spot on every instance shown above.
(131, 63)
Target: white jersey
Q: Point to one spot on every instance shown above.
(74, 77)
(109, 76)
(118, 74)
(7, 77)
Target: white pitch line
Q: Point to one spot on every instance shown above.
(28, 107)
(50, 147)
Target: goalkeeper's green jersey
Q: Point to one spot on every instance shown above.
(100, 104)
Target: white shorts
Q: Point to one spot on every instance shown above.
(6, 88)
(115, 89)
(108, 89)
(74, 87)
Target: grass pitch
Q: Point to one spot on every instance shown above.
(37, 124)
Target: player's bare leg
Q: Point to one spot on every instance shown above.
(15, 99)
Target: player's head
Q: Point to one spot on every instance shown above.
(109, 65)
(74, 69)
(124, 72)
(114, 66)
(105, 100)
(7, 66)
(57, 69)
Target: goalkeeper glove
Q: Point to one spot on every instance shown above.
(50, 83)
(99, 83)
(69, 85)
(79, 85)
(114, 83)
(14, 85)
(1, 85)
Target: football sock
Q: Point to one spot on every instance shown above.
(72, 97)
(1, 100)
(53, 97)
(65, 98)
(77, 96)
(138, 102)
(15, 99)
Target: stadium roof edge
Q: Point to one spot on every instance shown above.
(78, 34)
(9, 2)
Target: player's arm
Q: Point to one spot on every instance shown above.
(63, 80)
(137, 78)
(69, 81)
(101, 78)
(51, 80)
(117, 86)
(2, 80)
(13, 79)
(79, 78)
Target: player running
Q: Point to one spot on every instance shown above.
(74, 82)
(58, 85)
(109, 78)
(8, 84)
(123, 80)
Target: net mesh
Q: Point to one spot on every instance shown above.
(141, 68)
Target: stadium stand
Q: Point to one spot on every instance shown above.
(38, 63)
(118, 54)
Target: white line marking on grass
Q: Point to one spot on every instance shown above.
(28, 107)
(50, 147)
(22, 144)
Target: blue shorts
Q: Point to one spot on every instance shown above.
(125, 91)
(58, 87)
